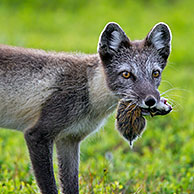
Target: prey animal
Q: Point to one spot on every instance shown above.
(130, 119)
(61, 98)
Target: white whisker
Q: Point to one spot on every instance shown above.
(166, 81)
(172, 89)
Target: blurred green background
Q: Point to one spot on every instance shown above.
(162, 161)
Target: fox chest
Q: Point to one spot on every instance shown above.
(91, 123)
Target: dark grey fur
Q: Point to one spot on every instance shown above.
(62, 98)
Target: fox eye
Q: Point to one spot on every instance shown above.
(156, 73)
(126, 74)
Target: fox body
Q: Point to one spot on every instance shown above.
(32, 80)
(61, 98)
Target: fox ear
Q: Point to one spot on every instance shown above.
(111, 39)
(160, 37)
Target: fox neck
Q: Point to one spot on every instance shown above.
(102, 99)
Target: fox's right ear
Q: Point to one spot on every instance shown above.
(111, 39)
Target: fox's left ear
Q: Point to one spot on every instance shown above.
(160, 37)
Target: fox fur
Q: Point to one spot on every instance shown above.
(61, 98)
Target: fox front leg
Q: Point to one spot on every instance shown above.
(68, 162)
(40, 147)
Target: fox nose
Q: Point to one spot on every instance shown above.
(150, 101)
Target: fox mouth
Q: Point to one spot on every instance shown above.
(154, 111)
(162, 108)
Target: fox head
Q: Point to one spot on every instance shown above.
(133, 68)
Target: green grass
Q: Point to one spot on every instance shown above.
(162, 161)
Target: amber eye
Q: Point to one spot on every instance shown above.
(126, 74)
(156, 74)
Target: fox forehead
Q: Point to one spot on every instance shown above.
(137, 60)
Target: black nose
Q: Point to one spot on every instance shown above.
(150, 101)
